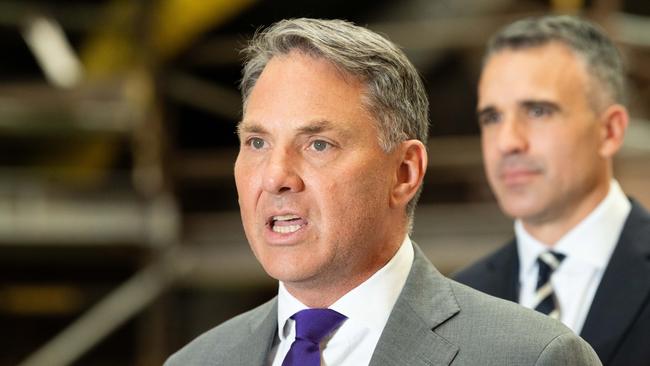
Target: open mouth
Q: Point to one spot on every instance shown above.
(286, 224)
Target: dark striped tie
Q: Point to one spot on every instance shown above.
(545, 299)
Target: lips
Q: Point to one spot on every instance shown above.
(517, 169)
(516, 176)
(286, 223)
(511, 173)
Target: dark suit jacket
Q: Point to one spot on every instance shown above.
(435, 322)
(618, 322)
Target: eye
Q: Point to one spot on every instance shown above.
(256, 143)
(539, 111)
(320, 145)
(488, 118)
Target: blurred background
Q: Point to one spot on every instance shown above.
(120, 237)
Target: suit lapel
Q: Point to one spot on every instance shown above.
(254, 350)
(425, 302)
(496, 275)
(623, 289)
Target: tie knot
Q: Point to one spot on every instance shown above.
(551, 259)
(315, 324)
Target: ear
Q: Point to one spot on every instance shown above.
(411, 167)
(614, 122)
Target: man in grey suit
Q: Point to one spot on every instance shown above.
(552, 114)
(331, 163)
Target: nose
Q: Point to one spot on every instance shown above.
(281, 172)
(512, 136)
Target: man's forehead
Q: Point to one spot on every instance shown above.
(537, 73)
(548, 47)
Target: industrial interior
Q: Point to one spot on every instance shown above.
(120, 235)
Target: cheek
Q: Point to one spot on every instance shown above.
(571, 162)
(239, 176)
(346, 195)
(367, 191)
(558, 151)
(487, 145)
(245, 180)
(490, 159)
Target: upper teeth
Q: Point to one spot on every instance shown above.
(285, 217)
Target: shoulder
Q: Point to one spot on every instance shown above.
(216, 342)
(521, 336)
(494, 314)
(639, 217)
(634, 240)
(568, 349)
(497, 261)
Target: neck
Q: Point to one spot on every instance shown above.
(326, 289)
(550, 230)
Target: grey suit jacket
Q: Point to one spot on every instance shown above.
(435, 321)
(618, 322)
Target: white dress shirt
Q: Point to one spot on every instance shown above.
(588, 248)
(367, 308)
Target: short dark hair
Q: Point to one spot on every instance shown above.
(587, 40)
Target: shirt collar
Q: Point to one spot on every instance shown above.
(381, 290)
(592, 241)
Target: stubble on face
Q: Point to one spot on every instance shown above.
(541, 153)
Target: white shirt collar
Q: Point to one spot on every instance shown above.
(381, 290)
(593, 240)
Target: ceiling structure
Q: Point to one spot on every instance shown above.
(138, 100)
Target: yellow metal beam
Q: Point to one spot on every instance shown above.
(178, 22)
(123, 38)
(112, 48)
(567, 6)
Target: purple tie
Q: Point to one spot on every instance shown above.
(312, 325)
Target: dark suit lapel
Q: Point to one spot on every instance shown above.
(425, 302)
(624, 287)
(496, 274)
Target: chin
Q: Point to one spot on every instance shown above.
(277, 271)
(519, 210)
(283, 269)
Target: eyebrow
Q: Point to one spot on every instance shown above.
(485, 110)
(249, 127)
(311, 127)
(316, 126)
(527, 103)
(540, 103)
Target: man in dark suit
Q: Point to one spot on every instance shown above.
(331, 161)
(552, 116)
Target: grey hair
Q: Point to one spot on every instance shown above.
(395, 95)
(586, 39)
